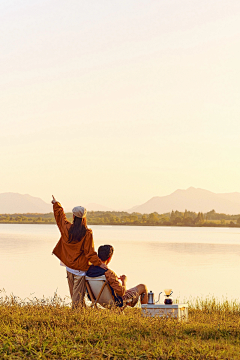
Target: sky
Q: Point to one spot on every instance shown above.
(114, 102)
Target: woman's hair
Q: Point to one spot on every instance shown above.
(78, 229)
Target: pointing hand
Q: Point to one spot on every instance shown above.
(53, 200)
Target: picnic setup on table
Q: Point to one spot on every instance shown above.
(152, 308)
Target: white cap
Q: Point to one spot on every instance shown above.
(79, 211)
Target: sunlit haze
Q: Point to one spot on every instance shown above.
(114, 102)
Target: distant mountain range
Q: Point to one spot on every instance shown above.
(14, 203)
(191, 199)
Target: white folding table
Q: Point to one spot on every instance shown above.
(179, 311)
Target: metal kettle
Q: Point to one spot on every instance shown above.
(151, 300)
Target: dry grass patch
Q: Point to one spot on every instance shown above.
(49, 329)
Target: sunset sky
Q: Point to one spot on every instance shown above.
(114, 102)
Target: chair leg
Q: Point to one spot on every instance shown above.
(91, 295)
(100, 292)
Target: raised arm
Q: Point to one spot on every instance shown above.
(60, 217)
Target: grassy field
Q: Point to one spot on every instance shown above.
(49, 329)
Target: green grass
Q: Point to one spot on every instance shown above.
(50, 329)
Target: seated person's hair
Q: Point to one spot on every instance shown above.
(105, 252)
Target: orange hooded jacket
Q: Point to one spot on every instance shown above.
(77, 256)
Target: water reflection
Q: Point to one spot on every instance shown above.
(191, 261)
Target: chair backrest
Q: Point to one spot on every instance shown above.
(96, 283)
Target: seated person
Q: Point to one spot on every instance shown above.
(121, 295)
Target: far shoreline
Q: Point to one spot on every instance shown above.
(140, 225)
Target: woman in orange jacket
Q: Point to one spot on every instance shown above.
(75, 249)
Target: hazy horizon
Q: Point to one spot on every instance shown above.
(191, 199)
(116, 102)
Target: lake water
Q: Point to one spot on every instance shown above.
(192, 261)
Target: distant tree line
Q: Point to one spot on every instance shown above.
(174, 218)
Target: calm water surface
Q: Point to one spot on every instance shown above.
(192, 261)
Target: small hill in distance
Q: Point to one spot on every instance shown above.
(192, 199)
(14, 203)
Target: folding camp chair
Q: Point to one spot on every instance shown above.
(99, 291)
